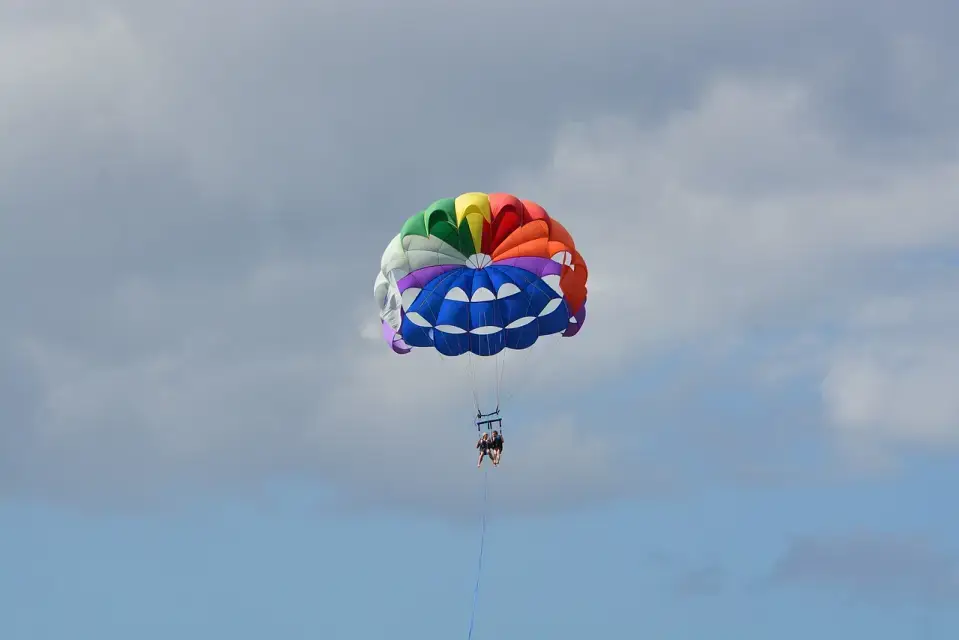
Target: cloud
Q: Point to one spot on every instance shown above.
(886, 568)
(687, 577)
(889, 379)
(739, 212)
(192, 198)
(704, 581)
(748, 217)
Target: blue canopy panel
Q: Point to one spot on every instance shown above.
(483, 311)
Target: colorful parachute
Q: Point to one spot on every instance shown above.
(479, 274)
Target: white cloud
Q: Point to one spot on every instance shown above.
(731, 208)
(234, 383)
(159, 345)
(693, 230)
(891, 378)
(747, 212)
(72, 82)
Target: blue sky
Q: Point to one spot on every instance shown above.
(278, 566)
(202, 434)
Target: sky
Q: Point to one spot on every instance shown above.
(202, 434)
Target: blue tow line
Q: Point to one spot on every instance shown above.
(479, 568)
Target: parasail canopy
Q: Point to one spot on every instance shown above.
(478, 274)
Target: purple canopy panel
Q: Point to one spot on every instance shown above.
(421, 277)
(576, 322)
(395, 340)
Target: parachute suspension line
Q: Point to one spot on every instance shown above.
(479, 567)
(472, 371)
(489, 340)
(472, 374)
(498, 362)
(500, 367)
(500, 374)
(502, 371)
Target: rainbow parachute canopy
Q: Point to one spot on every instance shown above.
(480, 273)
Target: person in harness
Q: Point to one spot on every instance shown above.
(496, 447)
(483, 444)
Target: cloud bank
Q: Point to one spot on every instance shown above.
(193, 201)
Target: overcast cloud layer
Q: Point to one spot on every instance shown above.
(194, 198)
(893, 570)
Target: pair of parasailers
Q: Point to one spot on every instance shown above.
(490, 446)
